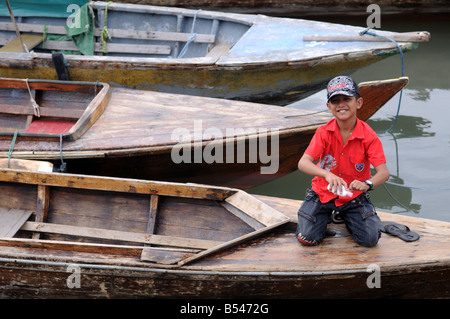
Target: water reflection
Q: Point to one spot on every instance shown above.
(406, 126)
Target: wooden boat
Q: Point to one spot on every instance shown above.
(141, 134)
(68, 236)
(212, 54)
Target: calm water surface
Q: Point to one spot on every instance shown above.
(418, 147)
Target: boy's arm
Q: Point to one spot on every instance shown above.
(381, 176)
(307, 166)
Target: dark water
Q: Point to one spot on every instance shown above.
(418, 147)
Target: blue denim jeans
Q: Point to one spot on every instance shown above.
(358, 214)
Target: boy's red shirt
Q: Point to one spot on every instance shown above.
(350, 161)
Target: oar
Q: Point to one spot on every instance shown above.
(16, 27)
(421, 36)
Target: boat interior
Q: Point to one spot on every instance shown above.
(49, 109)
(164, 223)
(127, 31)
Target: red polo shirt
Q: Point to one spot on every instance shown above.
(350, 161)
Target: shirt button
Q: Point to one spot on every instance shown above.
(342, 154)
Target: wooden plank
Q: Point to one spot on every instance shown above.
(111, 47)
(115, 33)
(30, 41)
(164, 256)
(28, 165)
(91, 114)
(157, 35)
(33, 28)
(422, 36)
(51, 85)
(233, 242)
(44, 111)
(120, 235)
(117, 184)
(11, 220)
(73, 246)
(219, 50)
(43, 202)
(255, 208)
(243, 216)
(153, 217)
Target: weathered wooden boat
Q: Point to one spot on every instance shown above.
(244, 57)
(68, 236)
(98, 130)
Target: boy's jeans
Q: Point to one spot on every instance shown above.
(359, 215)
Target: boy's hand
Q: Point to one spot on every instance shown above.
(335, 182)
(358, 186)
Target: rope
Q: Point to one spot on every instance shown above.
(33, 102)
(366, 31)
(11, 148)
(191, 38)
(105, 33)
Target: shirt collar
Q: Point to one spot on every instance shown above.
(358, 131)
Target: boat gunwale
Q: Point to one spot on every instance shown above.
(193, 269)
(214, 63)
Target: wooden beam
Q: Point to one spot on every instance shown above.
(43, 202)
(73, 246)
(156, 35)
(108, 234)
(52, 85)
(115, 33)
(111, 47)
(422, 36)
(44, 111)
(153, 217)
(116, 184)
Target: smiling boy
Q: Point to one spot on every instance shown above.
(345, 148)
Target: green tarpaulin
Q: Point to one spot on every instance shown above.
(41, 8)
(80, 26)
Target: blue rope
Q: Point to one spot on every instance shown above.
(11, 148)
(191, 38)
(366, 31)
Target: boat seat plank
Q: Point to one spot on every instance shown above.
(120, 235)
(11, 220)
(29, 40)
(156, 35)
(111, 47)
(114, 33)
(44, 111)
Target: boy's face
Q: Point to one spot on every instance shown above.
(344, 107)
